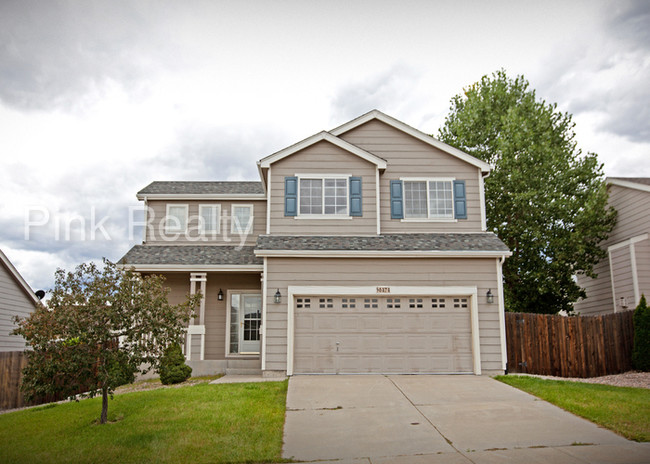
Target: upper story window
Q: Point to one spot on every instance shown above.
(176, 218)
(323, 196)
(210, 218)
(241, 219)
(428, 199)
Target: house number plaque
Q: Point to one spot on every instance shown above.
(383, 289)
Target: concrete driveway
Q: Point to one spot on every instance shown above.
(433, 418)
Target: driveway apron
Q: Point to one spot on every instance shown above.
(435, 418)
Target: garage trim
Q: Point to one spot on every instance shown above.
(294, 291)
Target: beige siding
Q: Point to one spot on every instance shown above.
(283, 272)
(215, 310)
(599, 292)
(13, 302)
(158, 210)
(633, 219)
(410, 157)
(323, 158)
(642, 251)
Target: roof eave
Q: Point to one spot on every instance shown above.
(16, 275)
(201, 196)
(627, 184)
(383, 254)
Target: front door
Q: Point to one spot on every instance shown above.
(245, 323)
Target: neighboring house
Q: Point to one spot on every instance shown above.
(624, 275)
(16, 299)
(361, 250)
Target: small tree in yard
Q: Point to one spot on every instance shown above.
(641, 351)
(101, 326)
(172, 366)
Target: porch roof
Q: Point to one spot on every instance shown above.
(209, 255)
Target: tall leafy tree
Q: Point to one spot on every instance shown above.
(100, 327)
(545, 198)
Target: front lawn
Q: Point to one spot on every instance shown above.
(194, 424)
(623, 410)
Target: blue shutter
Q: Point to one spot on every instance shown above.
(290, 196)
(356, 208)
(460, 200)
(396, 203)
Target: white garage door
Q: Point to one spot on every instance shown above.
(354, 335)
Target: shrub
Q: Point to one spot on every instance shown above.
(172, 366)
(641, 351)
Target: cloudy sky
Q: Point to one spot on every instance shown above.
(99, 98)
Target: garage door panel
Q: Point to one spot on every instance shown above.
(383, 335)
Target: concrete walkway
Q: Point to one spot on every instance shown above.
(434, 419)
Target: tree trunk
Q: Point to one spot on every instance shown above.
(104, 416)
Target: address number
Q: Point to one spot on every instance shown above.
(383, 289)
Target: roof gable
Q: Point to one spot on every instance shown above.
(378, 115)
(328, 137)
(17, 277)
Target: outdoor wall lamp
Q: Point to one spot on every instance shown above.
(278, 296)
(220, 295)
(490, 297)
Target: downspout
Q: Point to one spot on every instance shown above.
(502, 313)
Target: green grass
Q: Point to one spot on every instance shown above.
(195, 424)
(623, 410)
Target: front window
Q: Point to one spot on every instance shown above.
(176, 218)
(428, 199)
(242, 219)
(324, 196)
(209, 217)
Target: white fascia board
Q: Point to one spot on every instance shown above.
(202, 196)
(628, 242)
(376, 114)
(22, 282)
(380, 254)
(628, 184)
(266, 162)
(193, 267)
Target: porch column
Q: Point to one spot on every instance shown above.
(197, 329)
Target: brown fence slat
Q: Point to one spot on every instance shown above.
(576, 346)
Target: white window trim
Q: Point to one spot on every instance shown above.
(322, 177)
(229, 293)
(427, 180)
(218, 208)
(232, 218)
(167, 216)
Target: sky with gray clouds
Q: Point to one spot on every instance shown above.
(99, 98)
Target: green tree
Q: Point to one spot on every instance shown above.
(641, 351)
(544, 198)
(100, 327)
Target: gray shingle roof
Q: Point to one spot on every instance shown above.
(197, 188)
(190, 255)
(395, 242)
(636, 180)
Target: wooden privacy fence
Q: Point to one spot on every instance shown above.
(11, 366)
(576, 346)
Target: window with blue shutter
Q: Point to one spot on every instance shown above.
(460, 200)
(290, 196)
(356, 206)
(396, 202)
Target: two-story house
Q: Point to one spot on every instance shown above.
(624, 275)
(362, 250)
